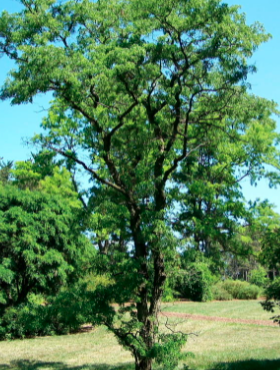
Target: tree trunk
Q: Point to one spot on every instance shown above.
(144, 364)
(147, 312)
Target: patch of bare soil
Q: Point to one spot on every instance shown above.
(220, 319)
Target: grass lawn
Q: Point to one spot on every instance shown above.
(218, 346)
(232, 309)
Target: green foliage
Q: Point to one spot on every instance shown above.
(59, 184)
(236, 289)
(41, 244)
(195, 282)
(25, 175)
(220, 294)
(269, 255)
(5, 171)
(25, 320)
(169, 293)
(167, 351)
(86, 301)
(273, 289)
(273, 299)
(61, 315)
(249, 292)
(258, 277)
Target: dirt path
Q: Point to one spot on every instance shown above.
(220, 319)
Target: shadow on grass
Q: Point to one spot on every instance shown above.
(249, 365)
(37, 365)
(238, 365)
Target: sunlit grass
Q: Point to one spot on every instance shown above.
(251, 310)
(230, 343)
(215, 345)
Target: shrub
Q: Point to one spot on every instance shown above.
(62, 315)
(220, 294)
(237, 289)
(258, 277)
(195, 282)
(248, 291)
(80, 303)
(69, 310)
(23, 321)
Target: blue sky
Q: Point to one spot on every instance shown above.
(20, 122)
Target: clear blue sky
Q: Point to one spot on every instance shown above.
(19, 122)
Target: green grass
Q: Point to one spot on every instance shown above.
(232, 309)
(216, 346)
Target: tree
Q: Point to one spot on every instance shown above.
(41, 241)
(45, 256)
(5, 171)
(41, 244)
(267, 226)
(139, 87)
(212, 213)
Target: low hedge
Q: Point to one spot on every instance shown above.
(220, 294)
(235, 289)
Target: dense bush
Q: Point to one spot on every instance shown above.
(195, 282)
(87, 301)
(29, 319)
(23, 321)
(235, 289)
(220, 294)
(248, 291)
(258, 277)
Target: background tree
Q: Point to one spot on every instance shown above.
(46, 259)
(40, 243)
(5, 171)
(212, 212)
(140, 86)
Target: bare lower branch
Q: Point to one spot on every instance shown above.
(88, 169)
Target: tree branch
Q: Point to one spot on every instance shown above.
(88, 169)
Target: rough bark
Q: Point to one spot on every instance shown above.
(144, 364)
